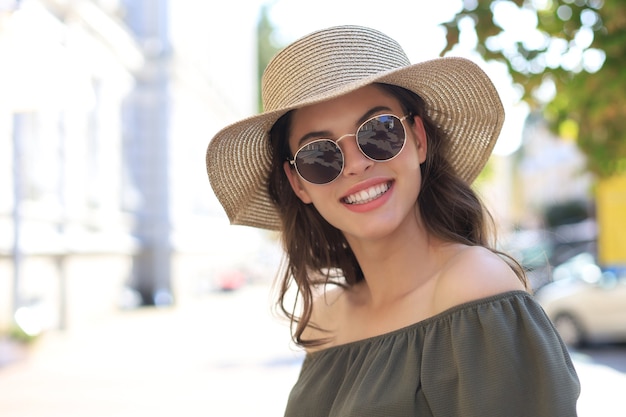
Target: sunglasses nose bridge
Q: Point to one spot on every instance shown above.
(356, 143)
(354, 159)
(343, 149)
(344, 136)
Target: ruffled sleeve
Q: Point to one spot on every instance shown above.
(498, 358)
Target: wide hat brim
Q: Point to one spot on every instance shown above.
(460, 99)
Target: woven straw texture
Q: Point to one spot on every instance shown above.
(460, 98)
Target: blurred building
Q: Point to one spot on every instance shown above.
(549, 197)
(106, 108)
(552, 170)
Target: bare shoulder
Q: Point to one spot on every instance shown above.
(326, 307)
(472, 273)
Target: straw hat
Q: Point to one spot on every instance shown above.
(459, 97)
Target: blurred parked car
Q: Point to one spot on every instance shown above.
(585, 303)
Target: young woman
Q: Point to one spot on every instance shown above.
(364, 163)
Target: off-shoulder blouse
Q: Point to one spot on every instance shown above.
(494, 357)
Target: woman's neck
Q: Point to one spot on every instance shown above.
(397, 265)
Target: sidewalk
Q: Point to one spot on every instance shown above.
(602, 389)
(221, 356)
(208, 358)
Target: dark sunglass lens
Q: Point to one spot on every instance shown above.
(381, 138)
(319, 162)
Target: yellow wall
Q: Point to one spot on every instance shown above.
(611, 200)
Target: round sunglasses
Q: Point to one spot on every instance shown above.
(380, 139)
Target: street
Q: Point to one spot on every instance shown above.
(222, 354)
(612, 355)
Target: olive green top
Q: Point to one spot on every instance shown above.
(494, 357)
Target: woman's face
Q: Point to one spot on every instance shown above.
(369, 199)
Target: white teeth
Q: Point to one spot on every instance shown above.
(368, 195)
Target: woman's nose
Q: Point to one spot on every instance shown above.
(354, 161)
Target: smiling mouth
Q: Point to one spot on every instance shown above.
(367, 195)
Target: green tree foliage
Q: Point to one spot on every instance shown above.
(574, 48)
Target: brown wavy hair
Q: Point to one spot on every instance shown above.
(318, 253)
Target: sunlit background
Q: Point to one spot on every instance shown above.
(107, 216)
